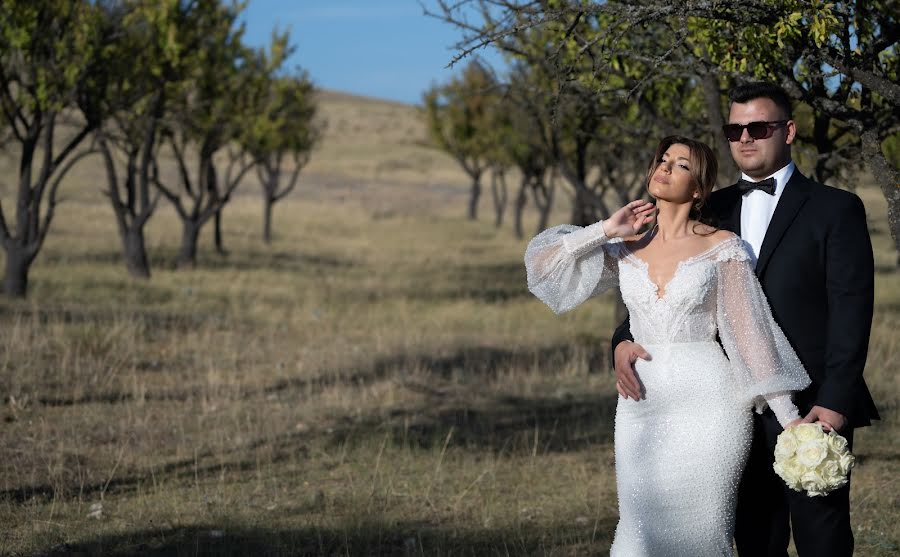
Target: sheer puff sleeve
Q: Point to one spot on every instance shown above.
(568, 264)
(764, 364)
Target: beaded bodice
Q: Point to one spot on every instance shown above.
(686, 311)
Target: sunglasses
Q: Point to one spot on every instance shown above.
(757, 130)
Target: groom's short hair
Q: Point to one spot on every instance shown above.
(759, 90)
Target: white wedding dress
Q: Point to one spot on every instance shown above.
(681, 450)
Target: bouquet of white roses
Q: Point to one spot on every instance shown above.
(808, 459)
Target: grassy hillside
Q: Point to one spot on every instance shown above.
(375, 139)
(376, 382)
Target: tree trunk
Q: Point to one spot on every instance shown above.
(546, 204)
(132, 235)
(498, 191)
(136, 252)
(888, 179)
(582, 203)
(15, 277)
(545, 216)
(474, 195)
(267, 218)
(582, 209)
(187, 256)
(713, 99)
(217, 232)
(521, 201)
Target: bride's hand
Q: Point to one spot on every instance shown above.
(793, 423)
(629, 219)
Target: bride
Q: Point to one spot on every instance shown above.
(681, 448)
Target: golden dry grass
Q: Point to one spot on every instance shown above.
(377, 381)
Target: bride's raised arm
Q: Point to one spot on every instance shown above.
(764, 363)
(568, 264)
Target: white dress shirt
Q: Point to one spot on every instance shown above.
(758, 207)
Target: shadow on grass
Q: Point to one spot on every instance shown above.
(458, 413)
(152, 319)
(455, 409)
(502, 424)
(240, 260)
(489, 283)
(126, 484)
(469, 364)
(254, 260)
(458, 410)
(372, 539)
(481, 293)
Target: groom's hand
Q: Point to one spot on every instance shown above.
(626, 354)
(828, 419)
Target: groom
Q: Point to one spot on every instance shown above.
(814, 261)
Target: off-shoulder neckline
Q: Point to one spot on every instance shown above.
(662, 291)
(733, 238)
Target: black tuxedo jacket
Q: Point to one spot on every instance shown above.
(816, 268)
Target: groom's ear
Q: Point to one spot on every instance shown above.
(791, 132)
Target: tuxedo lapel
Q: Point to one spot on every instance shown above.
(725, 207)
(795, 194)
(733, 216)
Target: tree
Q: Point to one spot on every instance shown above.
(838, 58)
(208, 110)
(281, 138)
(565, 110)
(145, 57)
(457, 115)
(51, 74)
(499, 134)
(597, 113)
(528, 153)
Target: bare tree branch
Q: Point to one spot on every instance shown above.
(35, 246)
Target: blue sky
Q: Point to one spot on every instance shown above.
(378, 48)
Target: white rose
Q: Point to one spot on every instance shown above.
(831, 472)
(838, 483)
(846, 461)
(813, 452)
(807, 432)
(779, 469)
(786, 445)
(837, 443)
(782, 453)
(790, 472)
(811, 481)
(782, 473)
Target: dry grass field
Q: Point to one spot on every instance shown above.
(378, 381)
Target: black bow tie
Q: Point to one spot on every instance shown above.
(767, 185)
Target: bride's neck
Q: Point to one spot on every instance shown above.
(672, 220)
